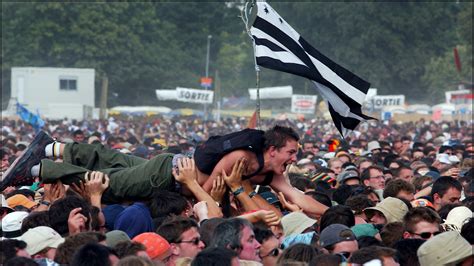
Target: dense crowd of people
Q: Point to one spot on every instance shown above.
(128, 191)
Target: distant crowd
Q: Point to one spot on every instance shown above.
(388, 194)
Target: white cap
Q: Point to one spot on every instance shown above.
(11, 224)
(443, 158)
(41, 237)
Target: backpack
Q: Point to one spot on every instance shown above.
(208, 154)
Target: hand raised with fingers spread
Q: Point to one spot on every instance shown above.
(76, 221)
(53, 192)
(186, 171)
(218, 189)
(97, 183)
(81, 189)
(234, 180)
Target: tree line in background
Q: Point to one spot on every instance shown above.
(400, 47)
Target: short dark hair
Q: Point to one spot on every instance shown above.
(66, 250)
(338, 214)
(207, 228)
(301, 183)
(320, 197)
(298, 252)
(128, 248)
(391, 233)
(406, 251)
(278, 136)
(466, 231)
(342, 193)
(60, 209)
(395, 186)
(93, 254)
(35, 219)
(359, 203)
(228, 234)
(262, 234)
(172, 228)
(368, 241)
(164, 203)
(443, 184)
(366, 173)
(396, 172)
(21, 261)
(9, 249)
(326, 259)
(367, 254)
(214, 256)
(418, 214)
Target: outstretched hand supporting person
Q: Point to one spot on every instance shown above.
(52, 192)
(270, 218)
(96, 184)
(234, 182)
(187, 175)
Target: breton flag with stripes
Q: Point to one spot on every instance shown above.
(278, 46)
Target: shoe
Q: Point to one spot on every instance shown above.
(19, 173)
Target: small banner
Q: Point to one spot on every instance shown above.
(380, 101)
(194, 95)
(303, 104)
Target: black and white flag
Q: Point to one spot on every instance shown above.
(278, 46)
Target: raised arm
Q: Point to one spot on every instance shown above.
(309, 205)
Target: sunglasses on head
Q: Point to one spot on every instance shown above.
(274, 253)
(194, 241)
(426, 235)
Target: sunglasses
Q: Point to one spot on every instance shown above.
(274, 253)
(426, 235)
(194, 241)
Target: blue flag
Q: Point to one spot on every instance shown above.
(29, 117)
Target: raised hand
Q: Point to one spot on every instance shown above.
(186, 171)
(76, 221)
(234, 180)
(269, 217)
(288, 205)
(218, 189)
(96, 183)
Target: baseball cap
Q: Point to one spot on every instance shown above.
(41, 237)
(345, 175)
(11, 224)
(447, 248)
(443, 158)
(296, 223)
(361, 230)
(270, 197)
(422, 203)
(334, 234)
(20, 200)
(115, 236)
(156, 246)
(392, 208)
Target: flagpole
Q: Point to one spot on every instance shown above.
(245, 13)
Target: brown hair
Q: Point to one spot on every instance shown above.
(419, 214)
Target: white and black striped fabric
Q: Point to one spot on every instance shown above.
(278, 46)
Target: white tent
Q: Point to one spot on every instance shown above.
(419, 109)
(446, 108)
